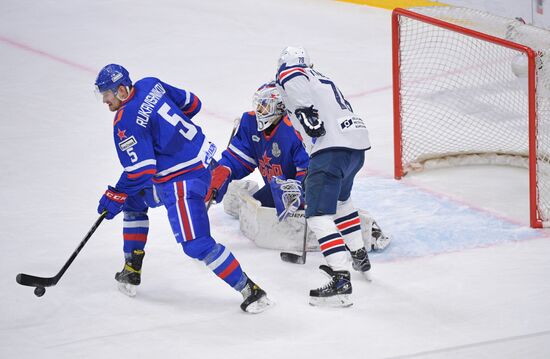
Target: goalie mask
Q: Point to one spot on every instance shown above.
(292, 56)
(268, 105)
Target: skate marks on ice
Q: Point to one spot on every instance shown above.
(424, 223)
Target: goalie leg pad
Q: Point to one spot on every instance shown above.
(261, 225)
(237, 193)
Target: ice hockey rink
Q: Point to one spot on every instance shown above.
(465, 276)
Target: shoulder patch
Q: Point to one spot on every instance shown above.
(127, 143)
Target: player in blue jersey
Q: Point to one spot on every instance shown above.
(336, 139)
(265, 140)
(162, 149)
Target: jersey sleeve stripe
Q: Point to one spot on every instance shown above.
(289, 77)
(151, 171)
(241, 154)
(188, 99)
(300, 173)
(193, 107)
(291, 72)
(241, 161)
(141, 164)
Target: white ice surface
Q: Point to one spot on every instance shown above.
(464, 278)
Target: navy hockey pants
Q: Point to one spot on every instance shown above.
(330, 178)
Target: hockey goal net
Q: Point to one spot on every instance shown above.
(472, 88)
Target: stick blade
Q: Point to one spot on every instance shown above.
(293, 258)
(32, 281)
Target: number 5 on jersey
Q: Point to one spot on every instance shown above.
(186, 129)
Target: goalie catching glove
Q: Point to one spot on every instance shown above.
(309, 118)
(287, 195)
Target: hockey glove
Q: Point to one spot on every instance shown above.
(287, 195)
(309, 118)
(112, 202)
(219, 182)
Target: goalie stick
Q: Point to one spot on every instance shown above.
(40, 283)
(297, 258)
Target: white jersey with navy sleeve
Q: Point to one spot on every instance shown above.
(156, 140)
(301, 86)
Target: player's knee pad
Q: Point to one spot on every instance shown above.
(199, 248)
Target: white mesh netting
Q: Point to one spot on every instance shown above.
(463, 96)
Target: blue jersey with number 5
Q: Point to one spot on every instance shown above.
(156, 140)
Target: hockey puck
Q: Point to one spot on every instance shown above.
(39, 291)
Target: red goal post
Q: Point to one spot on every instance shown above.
(458, 95)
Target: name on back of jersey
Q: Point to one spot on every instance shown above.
(148, 104)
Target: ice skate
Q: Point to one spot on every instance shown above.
(255, 298)
(130, 277)
(335, 293)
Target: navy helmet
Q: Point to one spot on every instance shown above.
(111, 77)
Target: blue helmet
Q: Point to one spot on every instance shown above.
(111, 77)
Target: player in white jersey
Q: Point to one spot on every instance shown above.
(336, 140)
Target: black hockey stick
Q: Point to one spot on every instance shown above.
(297, 258)
(40, 283)
(214, 194)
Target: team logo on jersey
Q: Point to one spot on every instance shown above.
(267, 169)
(255, 138)
(275, 150)
(127, 143)
(352, 123)
(121, 134)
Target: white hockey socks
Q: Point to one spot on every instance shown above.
(330, 241)
(349, 225)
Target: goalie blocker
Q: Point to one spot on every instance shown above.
(262, 226)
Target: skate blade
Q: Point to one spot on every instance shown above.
(260, 305)
(127, 289)
(336, 301)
